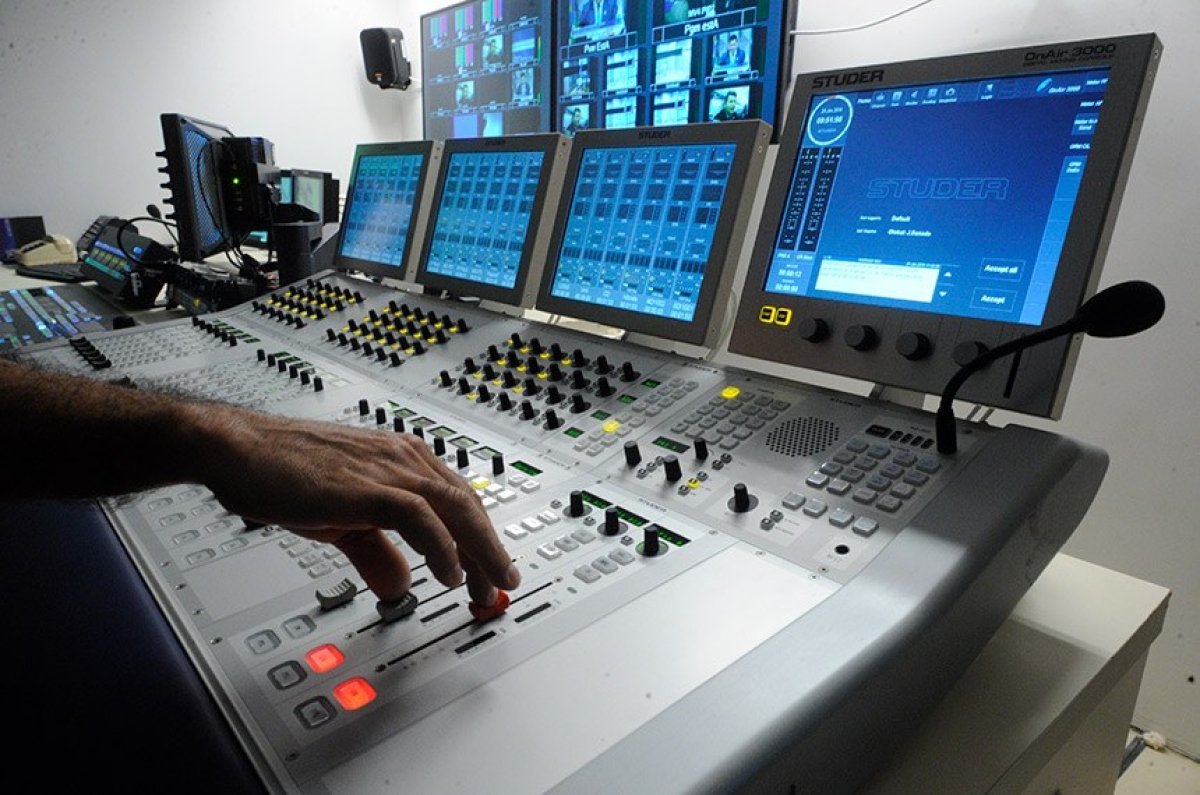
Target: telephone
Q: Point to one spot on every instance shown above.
(50, 250)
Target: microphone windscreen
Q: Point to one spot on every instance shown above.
(1123, 309)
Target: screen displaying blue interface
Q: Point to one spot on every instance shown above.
(951, 198)
(483, 216)
(381, 206)
(640, 227)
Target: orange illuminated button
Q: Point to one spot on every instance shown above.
(354, 693)
(325, 658)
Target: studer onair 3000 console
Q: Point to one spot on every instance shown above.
(730, 580)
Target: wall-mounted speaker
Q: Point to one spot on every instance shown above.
(383, 56)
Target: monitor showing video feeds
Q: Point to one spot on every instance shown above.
(921, 213)
(485, 69)
(626, 63)
(493, 202)
(651, 227)
(383, 207)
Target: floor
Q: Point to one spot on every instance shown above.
(1159, 772)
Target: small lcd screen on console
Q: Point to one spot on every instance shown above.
(382, 203)
(929, 197)
(487, 210)
(645, 230)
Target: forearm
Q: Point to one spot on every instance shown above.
(71, 437)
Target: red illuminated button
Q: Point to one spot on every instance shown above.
(325, 658)
(495, 610)
(354, 693)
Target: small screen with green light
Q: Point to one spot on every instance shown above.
(442, 432)
(521, 466)
(670, 444)
(463, 442)
(486, 453)
(573, 432)
(650, 383)
(672, 538)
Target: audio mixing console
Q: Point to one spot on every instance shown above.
(730, 581)
(673, 521)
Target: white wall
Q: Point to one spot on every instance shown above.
(82, 83)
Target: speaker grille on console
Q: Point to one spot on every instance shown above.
(803, 436)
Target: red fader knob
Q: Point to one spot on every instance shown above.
(497, 608)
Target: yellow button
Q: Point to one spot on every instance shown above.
(730, 392)
(611, 426)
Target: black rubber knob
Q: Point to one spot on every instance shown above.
(462, 458)
(483, 394)
(381, 416)
(967, 352)
(504, 402)
(612, 522)
(603, 387)
(498, 464)
(914, 346)
(671, 469)
(701, 448)
(861, 337)
(741, 498)
(364, 407)
(651, 543)
(439, 445)
(552, 420)
(578, 404)
(527, 410)
(633, 455)
(628, 373)
(575, 505)
(813, 329)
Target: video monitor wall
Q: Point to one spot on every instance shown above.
(625, 63)
(485, 69)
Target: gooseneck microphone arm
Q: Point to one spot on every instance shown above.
(1118, 311)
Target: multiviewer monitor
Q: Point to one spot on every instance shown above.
(493, 203)
(647, 239)
(923, 212)
(384, 206)
(485, 68)
(193, 150)
(625, 63)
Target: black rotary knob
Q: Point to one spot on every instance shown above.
(813, 329)
(578, 404)
(612, 522)
(528, 412)
(575, 506)
(967, 352)
(914, 346)
(862, 337)
(603, 387)
(742, 500)
(633, 455)
(671, 469)
(651, 543)
(552, 420)
(701, 449)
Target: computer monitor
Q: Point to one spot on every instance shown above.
(314, 190)
(493, 203)
(194, 151)
(923, 212)
(385, 201)
(628, 63)
(650, 231)
(485, 70)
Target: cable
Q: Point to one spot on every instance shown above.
(865, 25)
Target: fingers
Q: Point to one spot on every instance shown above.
(482, 592)
(381, 565)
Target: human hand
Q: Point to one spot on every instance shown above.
(345, 486)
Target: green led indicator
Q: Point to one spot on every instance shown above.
(573, 432)
(521, 466)
(650, 383)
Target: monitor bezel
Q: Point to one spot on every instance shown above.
(1039, 386)
(426, 150)
(546, 78)
(554, 148)
(750, 138)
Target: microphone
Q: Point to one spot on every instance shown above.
(1118, 311)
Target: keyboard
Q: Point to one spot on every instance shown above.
(60, 272)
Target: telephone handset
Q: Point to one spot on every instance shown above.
(50, 250)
